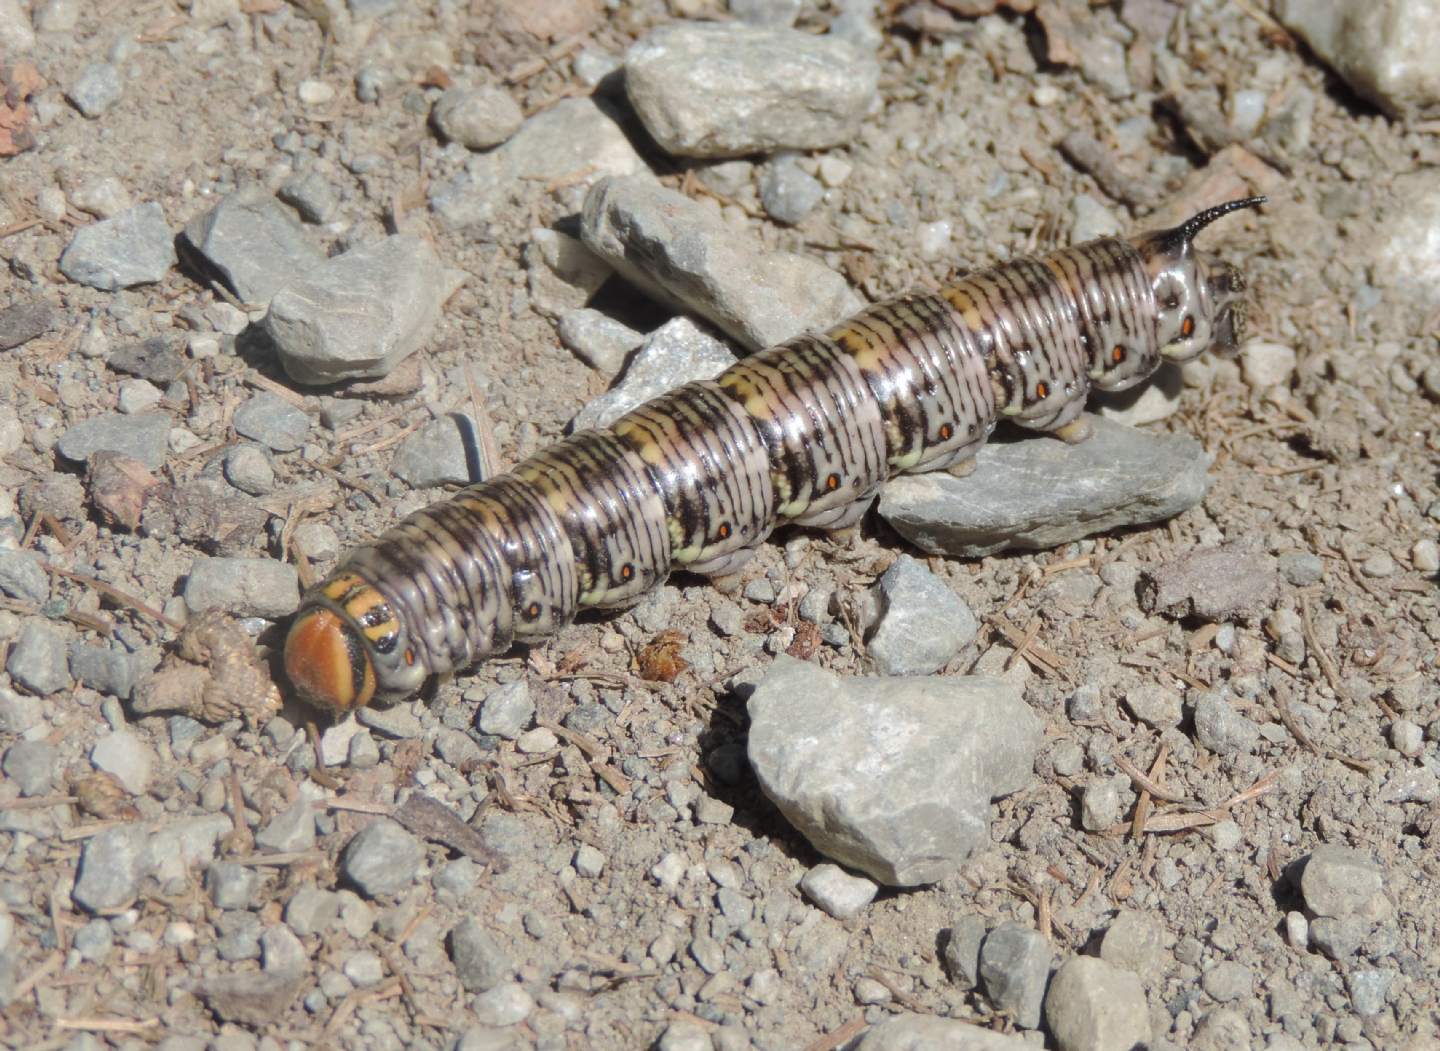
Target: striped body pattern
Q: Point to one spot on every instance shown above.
(804, 433)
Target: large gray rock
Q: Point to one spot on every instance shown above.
(362, 313)
(255, 243)
(1094, 1006)
(674, 354)
(714, 90)
(571, 144)
(682, 254)
(1014, 967)
(891, 777)
(1039, 492)
(136, 247)
(1384, 49)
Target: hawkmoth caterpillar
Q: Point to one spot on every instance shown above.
(806, 432)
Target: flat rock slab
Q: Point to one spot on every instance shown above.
(1039, 492)
(134, 248)
(713, 90)
(683, 254)
(890, 777)
(144, 436)
(676, 353)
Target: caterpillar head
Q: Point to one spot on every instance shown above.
(1198, 303)
(346, 648)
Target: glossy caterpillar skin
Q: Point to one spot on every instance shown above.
(806, 433)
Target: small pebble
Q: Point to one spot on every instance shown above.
(125, 755)
(1228, 981)
(1014, 966)
(97, 89)
(37, 660)
(30, 765)
(1407, 738)
(382, 858)
(1301, 568)
(837, 891)
(480, 962)
(1265, 365)
(248, 469)
(507, 710)
(364, 968)
(535, 741)
(1297, 930)
(313, 92)
(477, 118)
(1100, 806)
(1425, 556)
(589, 862)
(1378, 565)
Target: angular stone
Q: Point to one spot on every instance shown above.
(382, 858)
(718, 90)
(1222, 729)
(22, 576)
(837, 892)
(681, 253)
(360, 314)
(480, 962)
(22, 322)
(272, 421)
(112, 864)
(438, 453)
(37, 660)
(252, 998)
(255, 243)
(676, 353)
(1341, 882)
(921, 623)
(889, 777)
(144, 436)
(247, 587)
(1040, 492)
(136, 247)
(1014, 967)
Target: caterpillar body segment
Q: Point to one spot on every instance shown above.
(806, 432)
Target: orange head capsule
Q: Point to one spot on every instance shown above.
(327, 663)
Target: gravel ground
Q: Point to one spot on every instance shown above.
(1222, 831)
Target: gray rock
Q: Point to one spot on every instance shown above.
(1214, 584)
(1402, 248)
(836, 891)
(135, 247)
(507, 710)
(1155, 400)
(573, 143)
(1014, 967)
(37, 660)
(112, 863)
(125, 755)
(1100, 805)
(96, 89)
(505, 1005)
(921, 623)
(892, 778)
(598, 339)
(272, 421)
(251, 998)
(290, 831)
(1370, 989)
(1134, 941)
(382, 858)
(255, 243)
(247, 587)
(1155, 705)
(31, 766)
(1229, 981)
(103, 196)
(312, 195)
(231, 886)
(94, 941)
(1221, 728)
(184, 844)
(105, 669)
(397, 722)
(19, 714)
(681, 253)
(438, 453)
(561, 273)
(1040, 492)
(477, 117)
(1301, 568)
(248, 469)
(157, 359)
(362, 313)
(311, 910)
(675, 353)
(1265, 364)
(788, 193)
(281, 951)
(1339, 939)
(22, 322)
(909, 1032)
(1341, 882)
(1383, 51)
(145, 436)
(1094, 1006)
(1091, 220)
(962, 951)
(718, 90)
(22, 576)
(480, 962)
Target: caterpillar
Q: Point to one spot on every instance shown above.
(806, 432)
